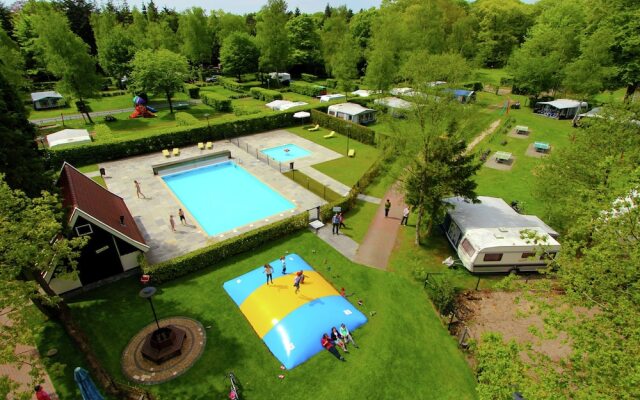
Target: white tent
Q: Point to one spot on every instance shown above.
(561, 108)
(352, 112)
(281, 105)
(393, 102)
(364, 92)
(330, 97)
(282, 76)
(67, 136)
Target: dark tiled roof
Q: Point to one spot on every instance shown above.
(81, 192)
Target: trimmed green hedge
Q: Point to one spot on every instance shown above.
(185, 119)
(216, 101)
(358, 132)
(265, 94)
(192, 90)
(109, 94)
(309, 77)
(307, 89)
(211, 255)
(232, 85)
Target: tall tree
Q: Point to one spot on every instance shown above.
(196, 37)
(67, 57)
(341, 53)
(79, 13)
(160, 72)
(305, 43)
(11, 62)
(271, 36)
(19, 161)
(152, 11)
(239, 54)
(115, 46)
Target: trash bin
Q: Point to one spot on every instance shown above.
(102, 172)
(291, 165)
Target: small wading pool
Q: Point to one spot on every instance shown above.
(224, 196)
(285, 153)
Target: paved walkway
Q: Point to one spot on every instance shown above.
(343, 244)
(369, 199)
(380, 239)
(494, 125)
(338, 187)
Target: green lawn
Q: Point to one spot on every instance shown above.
(490, 75)
(312, 185)
(346, 169)
(358, 219)
(404, 348)
(517, 184)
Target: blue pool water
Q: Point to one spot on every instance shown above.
(280, 154)
(224, 196)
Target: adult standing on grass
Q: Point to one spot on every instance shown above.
(268, 269)
(405, 216)
(346, 335)
(387, 207)
(138, 190)
(172, 222)
(335, 221)
(183, 220)
(328, 345)
(341, 217)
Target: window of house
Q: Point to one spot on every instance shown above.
(468, 248)
(528, 255)
(493, 257)
(82, 230)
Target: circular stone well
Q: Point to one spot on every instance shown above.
(142, 371)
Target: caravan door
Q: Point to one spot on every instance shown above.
(454, 234)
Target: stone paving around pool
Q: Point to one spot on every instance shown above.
(152, 214)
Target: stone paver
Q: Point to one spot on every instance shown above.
(369, 199)
(343, 244)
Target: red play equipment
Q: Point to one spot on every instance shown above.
(141, 111)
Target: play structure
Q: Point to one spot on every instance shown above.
(291, 324)
(141, 109)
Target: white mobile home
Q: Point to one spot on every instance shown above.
(352, 112)
(44, 100)
(487, 236)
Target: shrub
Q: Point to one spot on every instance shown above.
(193, 91)
(232, 85)
(358, 132)
(332, 83)
(265, 94)
(475, 86)
(216, 101)
(309, 77)
(442, 293)
(185, 119)
(213, 254)
(306, 89)
(111, 93)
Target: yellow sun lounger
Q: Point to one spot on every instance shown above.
(332, 134)
(201, 146)
(166, 153)
(352, 153)
(209, 145)
(315, 128)
(176, 151)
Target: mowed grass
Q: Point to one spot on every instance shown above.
(358, 219)
(404, 350)
(346, 169)
(519, 182)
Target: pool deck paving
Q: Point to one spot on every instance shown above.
(342, 243)
(152, 213)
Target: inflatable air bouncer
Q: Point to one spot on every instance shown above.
(141, 109)
(291, 324)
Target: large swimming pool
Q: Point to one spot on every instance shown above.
(224, 196)
(287, 152)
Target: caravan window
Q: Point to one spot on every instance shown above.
(528, 255)
(468, 248)
(492, 257)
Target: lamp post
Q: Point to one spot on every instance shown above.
(147, 293)
(208, 126)
(348, 143)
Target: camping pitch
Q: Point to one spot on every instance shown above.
(291, 324)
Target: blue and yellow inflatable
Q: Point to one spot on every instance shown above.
(291, 324)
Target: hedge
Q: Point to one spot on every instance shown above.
(309, 77)
(332, 83)
(212, 255)
(357, 132)
(193, 91)
(265, 94)
(232, 85)
(185, 119)
(216, 101)
(111, 94)
(116, 147)
(307, 89)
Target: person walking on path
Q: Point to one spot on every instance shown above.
(183, 220)
(387, 206)
(337, 339)
(41, 394)
(268, 269)
(405, 216)
(335, 221)
(172, 222)
(138, 190)
(328, 345)
(346, 335)
(341, 218)
(283, 260)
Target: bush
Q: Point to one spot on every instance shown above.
(111, 93)
(193, 91)
(213, 254)
(442, 293)
(332, 83)
(307, 89)
(357, 132)
(185, 119)
(475, 86)
(216, 101)
(232, 85)
(265, 94)
(309, 77)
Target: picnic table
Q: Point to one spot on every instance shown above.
(541, 147)
(503, 156)
(522, 130)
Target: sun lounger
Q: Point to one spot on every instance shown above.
(315, 128)
(201, 146)
(209, 145)
(352, 153)
(166, 153)
(176, 151)
(330, 135)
